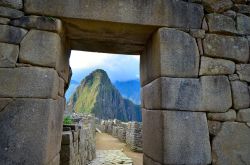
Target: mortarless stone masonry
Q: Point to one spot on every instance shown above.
(194, 72)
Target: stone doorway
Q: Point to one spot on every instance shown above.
(188, 74)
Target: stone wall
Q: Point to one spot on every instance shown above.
(194, 79)
(78, 143)
(34, 73)
(130, 132)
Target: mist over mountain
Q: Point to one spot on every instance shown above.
(96, 94)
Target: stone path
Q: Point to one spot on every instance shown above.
(111, 157)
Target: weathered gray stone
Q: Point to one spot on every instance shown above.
(210, 66)
(204, 25)
(244, 72)
(4, 102)
(55, 161)
(214, 127)
(40, 48)
(67, 138)
(240, 93)
(200, 46)
(231, 145)
(242, 8)
(197, 33)
(8, 55)
(220, 23)
(61, 87)
(17, 4)
(233, 77)
(210, 93)
(31, 131)
(230, 13)
(217, 6)
(243, 115)
(149, 161)
(169, 55)
(227, 116)
(179, 137)
(243, 24)
(11, 34)
(28, 82)
(234, 48)
(10, 13)
(39, 22)
(173, 13)
(4, 21)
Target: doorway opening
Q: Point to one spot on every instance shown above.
(103, 111)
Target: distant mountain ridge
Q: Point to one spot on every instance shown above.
(96, 94)
(130, 89)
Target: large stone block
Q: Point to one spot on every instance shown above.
(172, 13)
(40, 48)
(243, 115)
(39, 22)
(178, 137)
(10, 13)
(209, 93)
(214, 127)
(4, 21)
(217, 6)
(11, 34)
(230, 115)
(8, 55)
(244, 72)
(31, 131)
(240, 93)
(234, 48)
(243, 24)
(17, 4)
(4, 102)
(28, 82)
(171, 53)
(211, 66)
(231, 145)
(220, 23)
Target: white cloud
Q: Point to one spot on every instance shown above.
(118, 67)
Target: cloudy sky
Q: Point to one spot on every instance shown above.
(118, 67)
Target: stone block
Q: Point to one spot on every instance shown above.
(4, 102)
(228, 47)
(230, 13)
(40, 48)
(11, 34)
(148, 161)
(10, 13)
(172, 13)
(30, 131)
(220, 23)
(8, 55)
(4, 21)
(209, 93)
(61, 87)
(244, 72)
(243, 115)
(16, 4)
(28, 82)
(214, 127)
(217, 6)
(230, 115)
(179, 137)
(168, 55)
(243, 24)
(240, 93)
(242, 8)
(212, 66)
(231, 145)
(67, 138)
(38, 22)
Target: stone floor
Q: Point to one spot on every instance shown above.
(111, 157)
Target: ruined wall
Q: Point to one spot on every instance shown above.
(78, 143)
(34, 72)
(196, 89)
(129, 133)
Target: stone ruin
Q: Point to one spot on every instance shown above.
(78, 142)
(127, 132)
(195, 74)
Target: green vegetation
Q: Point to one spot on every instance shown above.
(68, 120)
